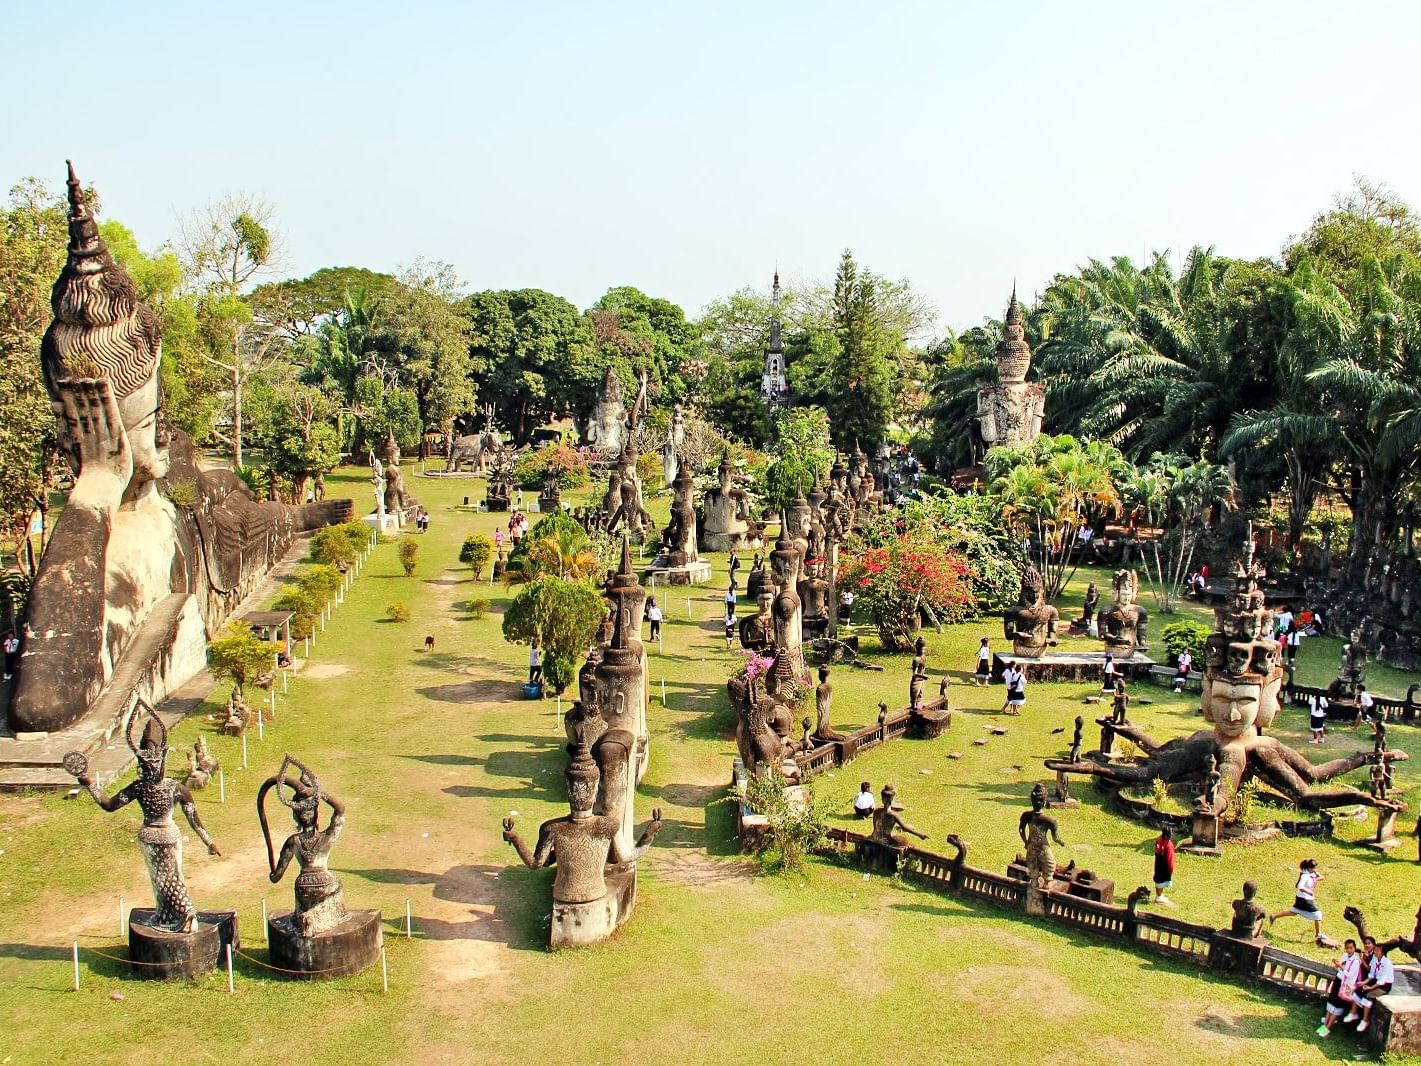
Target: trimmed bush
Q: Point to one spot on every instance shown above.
(409, 552)
(397, 612)
(1184, 634)
(476, 552)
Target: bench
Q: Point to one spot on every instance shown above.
(1164, 675)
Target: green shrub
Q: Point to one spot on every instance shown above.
(357, 532)
(397, 612)
(332, 547)
(477, 608)
(321, 581)
(304, 607)
(795, 829)
(409, 552)
(1184, 634)
(560, 616)
(476, 552)
(240, 655)
(571, 465)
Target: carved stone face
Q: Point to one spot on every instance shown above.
(1235, 706)
(1125, 594)
(1239, 657)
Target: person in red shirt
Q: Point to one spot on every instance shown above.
(1164, 866)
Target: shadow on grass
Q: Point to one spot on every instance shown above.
(489, 690)
(515, 918)
(445, 760)
(453, 662)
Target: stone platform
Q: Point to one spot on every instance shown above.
(383, 523)
(1070, 666)
(1396, 1018)
(157, 954)
(697, 573)
(347, 949)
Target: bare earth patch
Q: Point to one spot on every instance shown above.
(696, 869)
(321, 670)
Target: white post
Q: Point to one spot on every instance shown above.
(273, 703)
(221, 785)
(409, 921)
(264, 940)
(559, 708)
(120, 916)
(244, 752)
(76, 966)
(663, 692)
(261, 729)
(384, 971)
(230, 986)
(283, 682)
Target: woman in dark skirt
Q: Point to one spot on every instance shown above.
(984, 663)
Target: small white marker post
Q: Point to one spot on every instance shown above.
(663, 692)
(244, 751)
(385, 971)
(409, 921)
(231, 986)
(688, 606)
(308, 645)
(120, 916)
(559, 708)
(76, 966)
(264, 940)
(283, 681)
(261, 729)
(221, 785)
(273, 703)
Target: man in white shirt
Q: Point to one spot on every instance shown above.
(535, 665)
(1365, 706)
(864, 803)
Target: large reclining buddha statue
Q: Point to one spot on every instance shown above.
(131, 586)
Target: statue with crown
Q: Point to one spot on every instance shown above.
(172, 939)
(136, 578)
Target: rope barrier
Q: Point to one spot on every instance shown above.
(135, 962)
(278, 969)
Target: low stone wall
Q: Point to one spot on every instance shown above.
(1396, 1019)
(1070, 666)
(1346, 710)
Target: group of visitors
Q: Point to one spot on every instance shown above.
(421, 520)
(517, 526)
(1360, 980)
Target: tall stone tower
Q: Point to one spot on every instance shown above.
(773, 386)
(1010, 412)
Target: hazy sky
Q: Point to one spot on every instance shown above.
(686, 148)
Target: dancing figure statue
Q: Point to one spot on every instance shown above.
(919, 674)
(1037, 829)
(320, 905)
(159, 839)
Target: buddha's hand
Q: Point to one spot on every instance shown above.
(95, 429)
(508, 830)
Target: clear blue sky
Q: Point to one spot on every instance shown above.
(685, 148)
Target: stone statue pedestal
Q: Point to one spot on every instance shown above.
(383, 523)
(347, 949)
(1059, 796)
(1385, 839)
(157, 954)
(1205, 838)
(578, 924)
(1035, 901)
(694, 573)
(549, 504)
(880, 858)
(1396, 1018)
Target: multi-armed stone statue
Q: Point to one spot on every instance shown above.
(131, 585)
(727, 515)
(594, 891)
(172, 939)
(1243, 680)
(607, 431)
(1010, 412)
(320, 939)
(1031, 624)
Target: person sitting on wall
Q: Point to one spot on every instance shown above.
(864, 803)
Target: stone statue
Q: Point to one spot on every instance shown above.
(607, 430)
(159, 839)
(727, 513)
(887, 822)
(1091, 605)
(581, 843)
(670, 451)
(1243, 681)
(757, 631)
(919, 674)
(320, 905)
(131, 584)
(1075, 753)
(1120, 704)
(1124, 625)
(788, 612)
(823, 704)
(1248, 914)
(1208, 799)
(761, 747)
(1037, 829)
(1031, 624)
(550, 498)
(377, 478)
(758, 580)
(814, 602)
(679, 541)
(1010, 412)
(200, 765)
(397, 500)
(630, 510)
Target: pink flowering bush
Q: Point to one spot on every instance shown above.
(899, 581)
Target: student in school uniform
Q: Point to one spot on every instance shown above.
(984, 663)
(1380, 976)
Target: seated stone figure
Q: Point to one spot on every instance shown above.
(131, 586)
(887, 822)
(1031, 624)
(1124, 625)
(1248, 914)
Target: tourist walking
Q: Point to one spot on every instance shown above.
(1108, 672)
(734, 564)
(535, 665)
(730, 598)
(1294, 638)
(1015, 679)
(984, 663)
(1365, 707)
(1341, 994)
(12, 654)
(1181, 670)
(1305, 898)
(1164, 866)
(729, 626)
(846, 606)
(1317, 717)
(1380, 976)
(653, 615)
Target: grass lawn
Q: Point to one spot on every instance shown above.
(720, 964)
